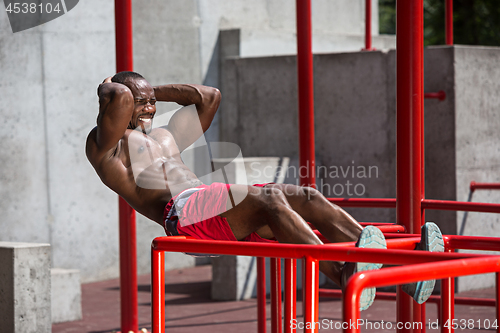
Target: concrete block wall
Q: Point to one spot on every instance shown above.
(25, 288)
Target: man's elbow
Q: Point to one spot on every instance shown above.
(214, 99)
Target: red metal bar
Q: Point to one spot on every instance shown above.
(364, 202)
(449, 22)
(261, 295)
(406, 274)
(368, 26)
(290, 295)
(497, 291)
(305, 92)
(297, 251)
(390, 296)
(473, 242)
(123, 35)
(128, 268)
(275, 270)
(310, 287)
(461, 205)
(128, 255)
(484, 186)
(441, 95)
(409, 108)
(157, 291)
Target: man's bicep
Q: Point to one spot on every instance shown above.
(185, 126)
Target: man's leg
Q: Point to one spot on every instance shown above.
(267, 212)
(332, 221)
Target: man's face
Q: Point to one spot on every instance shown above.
(144, 105)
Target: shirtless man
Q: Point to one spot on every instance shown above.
(163, 189)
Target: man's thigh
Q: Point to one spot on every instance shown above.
(248, 213)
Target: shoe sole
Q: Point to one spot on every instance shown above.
(371, 237)
(432, 241)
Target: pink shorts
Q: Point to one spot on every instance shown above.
(200, 215)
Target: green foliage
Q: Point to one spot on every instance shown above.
(475, 22)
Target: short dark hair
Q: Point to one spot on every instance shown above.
(122, 77)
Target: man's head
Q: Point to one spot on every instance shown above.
(144, 99)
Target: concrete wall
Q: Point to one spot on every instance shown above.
(477, 77)
(49, 192)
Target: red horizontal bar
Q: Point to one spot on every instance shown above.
(299, 251)
(441, 95)
(474, 243)
(484, 186)
(364, 202)
(461, 205)
(391, 296)
(406, 274)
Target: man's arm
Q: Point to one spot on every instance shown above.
(116, 105)
(186, 125)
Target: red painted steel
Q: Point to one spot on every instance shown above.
(441, 95)
(123, 35)
(406, 274)
(368, 26)
(461, 205)
(276, 313)
(299, 251)
(449, 22)
(127, 228)
(305, 92)
(484, 186)
(261, 295)
(364, 202)
(128, 268)
(310, 287)
(391, 296)
(409, 109)
(157, 291)
(497, 294)
(290, 295)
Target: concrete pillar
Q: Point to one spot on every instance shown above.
(25, 288)
(66, 294)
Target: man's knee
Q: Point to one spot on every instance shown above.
(272, 200)
(310, 193)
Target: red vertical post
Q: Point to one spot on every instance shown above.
(305, 92)
(128, 248)
(261, 295)
(409, 58)
(290, 295)
(447, 310)
(310, 301)
(449, 22)
(368, 25)
(276, 314)
(497, 294)
(157, 291)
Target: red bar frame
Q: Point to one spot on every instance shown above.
(305, 86)
(449, 22)
(276, 306)
(441, 95)
(405, 274)
(127, 218)
(484, 186)
(368, 26)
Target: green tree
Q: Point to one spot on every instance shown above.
(475, 22)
